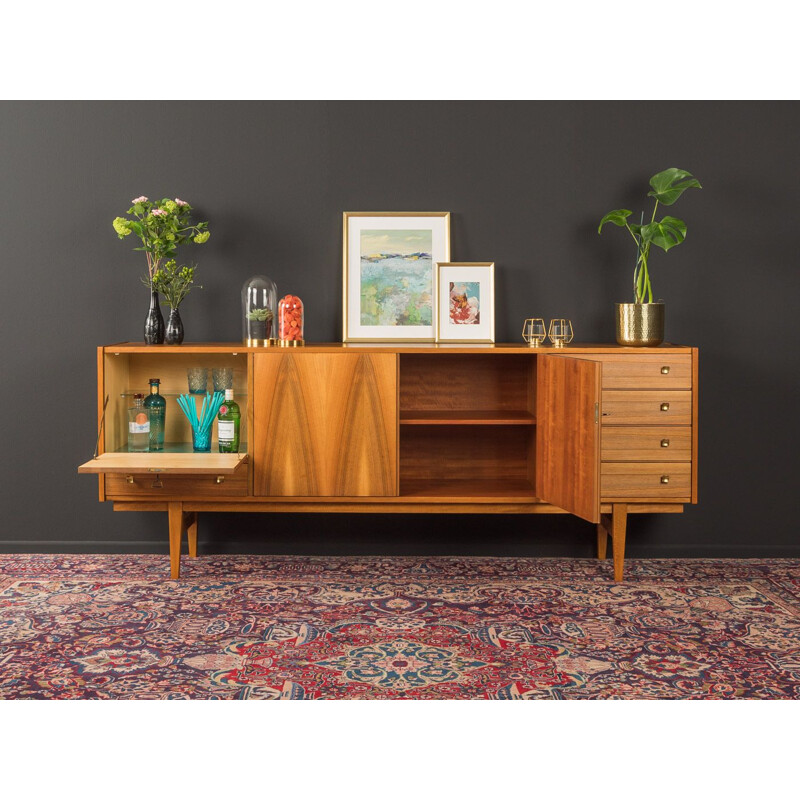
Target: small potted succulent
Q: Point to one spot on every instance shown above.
(161, 226)
(174, 282)
(641, 323)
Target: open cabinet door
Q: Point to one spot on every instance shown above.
(568, 434)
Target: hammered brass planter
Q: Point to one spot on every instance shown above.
(640, 324)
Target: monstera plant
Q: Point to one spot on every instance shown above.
(642, 322)
(666, 233)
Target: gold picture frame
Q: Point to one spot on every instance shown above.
(480, 276)
(356, 223)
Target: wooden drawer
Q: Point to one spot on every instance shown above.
(646, 443)
(647, 372)
(646, 480)
(647, 407)
(119, 486)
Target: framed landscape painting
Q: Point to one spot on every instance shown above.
(465, 302)
(389, 274)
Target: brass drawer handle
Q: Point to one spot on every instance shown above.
(220, 479)
(157, 483)
(665, 370)
(129, 478)
(665, 442)
(665, 479)
(665, 406)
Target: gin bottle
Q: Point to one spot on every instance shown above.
(138, 426)
(156, 407)
(228, 421)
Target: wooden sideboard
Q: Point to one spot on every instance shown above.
(598, 431)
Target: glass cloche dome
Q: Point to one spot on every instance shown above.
(259, 310)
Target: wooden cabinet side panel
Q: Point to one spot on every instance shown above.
(567, 448)
(695, 418)
(325, 424)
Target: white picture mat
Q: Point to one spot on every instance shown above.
(458, 273)
(440, 251)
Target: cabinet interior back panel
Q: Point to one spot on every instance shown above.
(467, 382)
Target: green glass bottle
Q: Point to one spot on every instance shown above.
(228, 421)
(156, 407)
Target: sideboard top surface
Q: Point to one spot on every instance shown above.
(382, 347)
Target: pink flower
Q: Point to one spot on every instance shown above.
(181, 202)
(158, 212)
(141, 199)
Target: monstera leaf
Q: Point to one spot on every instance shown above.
(665, 234)
(617, 217)
(670, 184)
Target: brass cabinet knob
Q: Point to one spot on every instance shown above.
(665, 442)
(665, 406)
(665, 370)
(129, 478)
(220, 479)
(665, 479)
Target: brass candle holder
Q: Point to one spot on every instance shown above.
(560, 332)
(534, 331)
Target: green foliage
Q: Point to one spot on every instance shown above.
(173, 282)
(161, 226)
(260, 314)
(667, 187)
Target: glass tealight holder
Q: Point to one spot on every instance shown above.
(534, 331)
(560, 332)
(198, 379)
(223, 378)
(259, 310)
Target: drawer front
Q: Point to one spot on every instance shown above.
(651, 443)
(646, 480)
(647, 372)
(647, 407)
(120, 486)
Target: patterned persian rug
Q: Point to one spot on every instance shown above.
(238, 627)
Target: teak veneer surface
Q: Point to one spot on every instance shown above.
(399, 347)
(568, 435)
(175, 463)
(325, 424)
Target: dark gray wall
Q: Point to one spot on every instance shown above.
(526, 184)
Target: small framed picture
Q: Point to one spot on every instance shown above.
(389, 274)
(465, 301)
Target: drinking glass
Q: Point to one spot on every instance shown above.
(198, 379)
(223, 378)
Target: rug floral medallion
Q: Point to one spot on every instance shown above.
(293, 628)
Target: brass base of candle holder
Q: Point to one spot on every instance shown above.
(291, 342)
(559, 343)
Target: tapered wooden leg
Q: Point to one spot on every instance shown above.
(175, 514)
(619, 522)
(603, 528)
(190, 521)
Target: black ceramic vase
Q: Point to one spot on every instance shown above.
(154, 324)
(174, 327)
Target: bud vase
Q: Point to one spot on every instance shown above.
(154, 324)
(174, 327)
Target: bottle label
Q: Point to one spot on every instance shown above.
(226, 430)
(139, 427)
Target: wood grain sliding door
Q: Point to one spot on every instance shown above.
(568, 434)
(325, 424)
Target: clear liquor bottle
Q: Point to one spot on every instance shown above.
(138, 426)
(156, 407)
(228, 421)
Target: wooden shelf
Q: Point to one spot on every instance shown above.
(467, 418)
(511, 490)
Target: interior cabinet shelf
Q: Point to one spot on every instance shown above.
(455, 490)
(176, 447)
(467, 418)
